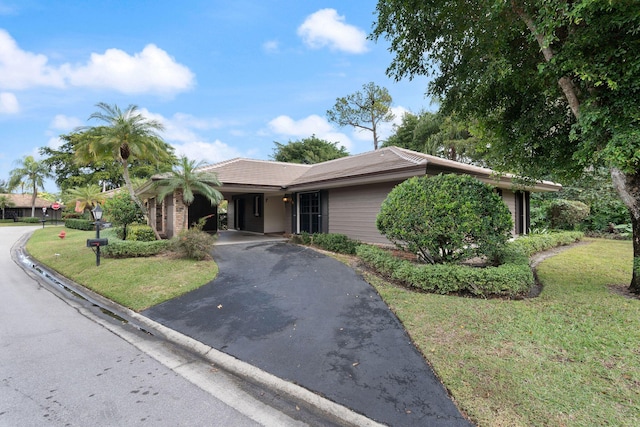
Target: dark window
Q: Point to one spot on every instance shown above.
(310, 216)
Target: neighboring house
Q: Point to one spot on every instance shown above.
(339, 196)
(22, 206)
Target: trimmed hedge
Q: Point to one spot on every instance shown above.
(511, 278)
(533, 243)
(132, 249)
(29, 219)
(79, 224)
(506, 279)
(335, 243)
(140, 233)
(118, 248)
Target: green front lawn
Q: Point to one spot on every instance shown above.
(570, 357)
(136, 283)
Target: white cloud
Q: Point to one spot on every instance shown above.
(180, 127)
(55, 143)
(209, 152)
(64, 123)
(21, 70)
(8, 103)
(150, 71)
(271, 46)
(304, 128)
(326, 28)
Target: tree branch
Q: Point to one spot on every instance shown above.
(565, 83)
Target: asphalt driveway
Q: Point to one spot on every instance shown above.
(313, 321)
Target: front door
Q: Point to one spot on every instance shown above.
(310, 216)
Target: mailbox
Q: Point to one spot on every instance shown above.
(96, 243)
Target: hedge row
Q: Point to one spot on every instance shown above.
(332, 242)
(118, 248)
(533, 243)
(131, 248)
(29, 219)
(511, 278)
(506, 279)
(79, 224)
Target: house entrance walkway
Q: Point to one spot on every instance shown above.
(311, 320)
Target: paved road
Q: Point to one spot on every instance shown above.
(62, 364)
(309, 319)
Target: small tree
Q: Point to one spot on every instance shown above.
(85, 198)
(122, 210)
(364, 110)
(189, 176)
(445, 218)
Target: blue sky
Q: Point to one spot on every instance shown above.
(226, 78)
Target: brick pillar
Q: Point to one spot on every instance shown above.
(180, 212)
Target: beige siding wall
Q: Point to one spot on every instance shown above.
(509, 198)
(274, 215)
(353, 211)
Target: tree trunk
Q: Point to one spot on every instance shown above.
(33, 201)
(628, 187)
(134, 197)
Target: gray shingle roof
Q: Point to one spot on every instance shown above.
(256, 172)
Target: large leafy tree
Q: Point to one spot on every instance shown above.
(123, 137)
(107, 174)
(308, 151)
(435, 134)
(365, 109)
(554, 84)
(189, 177)
(32, 173)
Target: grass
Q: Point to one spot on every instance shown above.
(570, 357)
(136, 283)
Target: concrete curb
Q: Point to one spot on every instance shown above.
(234, 366)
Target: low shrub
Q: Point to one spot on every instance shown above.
(512, 277)
(193, 244)
(334, 242)
(29, 219)
(533, 243)
(566, 214)
(140, 233)
(79, 224)
(506, 279)
(6, 221)
(118, 248)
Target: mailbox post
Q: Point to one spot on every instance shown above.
(97, 242)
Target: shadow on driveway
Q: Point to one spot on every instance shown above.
(311, 320)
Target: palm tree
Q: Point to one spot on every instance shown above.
(5, 202)
(187, 177)
(32, 173)
(125, 136)
(85, 198)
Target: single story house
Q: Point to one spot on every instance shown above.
(21, 206)
(338, 196)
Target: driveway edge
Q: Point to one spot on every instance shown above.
(58, 284)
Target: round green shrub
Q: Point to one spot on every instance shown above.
(445, 218)
(566, 214)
